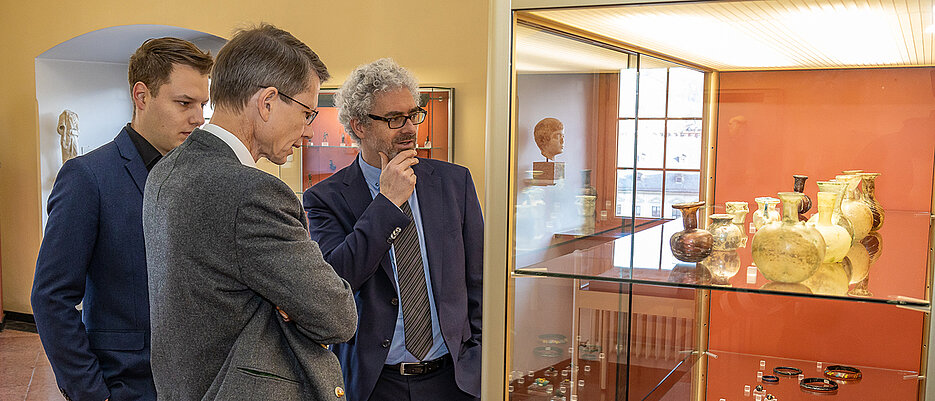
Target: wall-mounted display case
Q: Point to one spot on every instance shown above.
(634, 126)
(331, 148)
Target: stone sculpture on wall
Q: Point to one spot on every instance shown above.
(68, 130)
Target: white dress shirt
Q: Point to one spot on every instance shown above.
(243, 154)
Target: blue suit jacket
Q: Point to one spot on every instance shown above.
(93, 251)
(355, 232)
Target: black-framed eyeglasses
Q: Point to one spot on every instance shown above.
(417, 117)
(310, 114)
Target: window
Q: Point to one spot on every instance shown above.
(659, 137)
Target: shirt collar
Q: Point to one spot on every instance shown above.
(371, 174)
(147, 151)
(243, 154)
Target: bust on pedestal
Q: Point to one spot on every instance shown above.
(550, 137)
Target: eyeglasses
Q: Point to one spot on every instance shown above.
(395, 122)
(310, 114)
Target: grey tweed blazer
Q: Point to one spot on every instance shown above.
(225, 244)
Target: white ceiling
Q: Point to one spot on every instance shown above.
(764, 34)
(116, 44)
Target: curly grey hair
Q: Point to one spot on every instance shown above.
(355, 98)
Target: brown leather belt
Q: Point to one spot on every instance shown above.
(419, 368)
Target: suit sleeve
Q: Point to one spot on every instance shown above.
(473, 235)
(279, 261)
(356, 255)
(59, 284)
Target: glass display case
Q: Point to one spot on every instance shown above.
(668, 163)
(331, 148)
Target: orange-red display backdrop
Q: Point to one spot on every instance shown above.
(772, 125)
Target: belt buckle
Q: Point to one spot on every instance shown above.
(403, 365)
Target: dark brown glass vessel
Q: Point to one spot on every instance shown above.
(691, 244)
(806, 204)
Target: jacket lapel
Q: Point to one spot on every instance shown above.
(355, 192)
(358, 198)
(428, 190)
(134, 162)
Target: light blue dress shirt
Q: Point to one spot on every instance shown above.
(398, 352)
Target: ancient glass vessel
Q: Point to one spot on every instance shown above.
(586, 202)
(722, 265)
(856, 211)
(837, 217)
(799, 186)
(789, 251)
(739, 210)
(837, 240)
(727, 237)
(766, 211)
(868, 195)
(691, 244)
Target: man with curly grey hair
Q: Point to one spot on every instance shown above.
(407, 234)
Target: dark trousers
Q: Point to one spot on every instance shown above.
(434, 386)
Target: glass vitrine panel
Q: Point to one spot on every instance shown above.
(667, 104)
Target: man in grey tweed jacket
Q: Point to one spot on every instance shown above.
(226, 243)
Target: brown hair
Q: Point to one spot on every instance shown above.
(261, 57)
(152, 63)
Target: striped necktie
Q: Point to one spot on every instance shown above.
(413, 294)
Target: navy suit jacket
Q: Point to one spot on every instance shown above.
(93, 251)
(355, 232)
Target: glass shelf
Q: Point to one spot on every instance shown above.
(730, 372)
(894, 275)
(727, 375)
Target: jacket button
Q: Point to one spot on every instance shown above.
(339, 392)
(394, 301)
(386, 343)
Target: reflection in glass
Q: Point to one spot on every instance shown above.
(625, 193)
(860, 262)
(650, 141)
(648, 193)
(681, 187)
(652, 100)
(686, 91)
(626, 142)
(830, 279)
(628, 93)
(723, 265)
(683, 144)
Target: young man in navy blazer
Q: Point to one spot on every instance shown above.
(407, 234)
(93, 249)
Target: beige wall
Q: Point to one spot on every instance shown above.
(444, 42)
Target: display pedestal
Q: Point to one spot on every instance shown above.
(546, 173)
